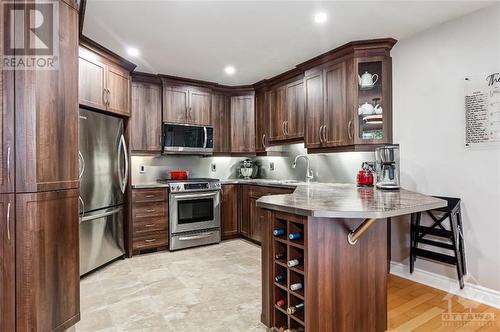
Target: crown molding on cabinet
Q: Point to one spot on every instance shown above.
(106, 53)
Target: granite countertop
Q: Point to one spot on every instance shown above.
(257, 182)
(349, 201)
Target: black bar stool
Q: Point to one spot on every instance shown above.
(438, 235)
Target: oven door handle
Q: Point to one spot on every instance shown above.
(196, 195)
(195, 237)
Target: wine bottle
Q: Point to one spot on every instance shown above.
(280, 255)
(296, 286)
(295, 308)
(280, 278)
(281, 303)
(279, 232)
(297, 329)
(295, 236)
(294, 262)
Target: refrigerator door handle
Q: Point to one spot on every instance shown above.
(82, 164)
(124, 177)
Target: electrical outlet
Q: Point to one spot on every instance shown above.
(271, 166)
(142, 169)
(213, 167)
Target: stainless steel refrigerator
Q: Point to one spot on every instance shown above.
(103, 179)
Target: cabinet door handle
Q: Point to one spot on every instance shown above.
(8, 221)
(149, 225)
(150, 196)
(109, 95)
(321, 134)
(264, 140)
(324, 134)
(283, 128)
(8, 164)
(349, 131)
(286, 128)
(105, 97)
(149, 241)
(150, 210)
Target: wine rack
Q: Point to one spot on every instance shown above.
(292, 249)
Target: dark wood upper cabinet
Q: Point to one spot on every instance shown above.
(261, 122)
(313, 85)
(229, 212)
(175, 104)
(6, 130)
(334, 95)
(221, 119)
(46, 122)
(118, 90)
(329, 120)
(92, 81)
(243, 124)
(103, 85)
(200, 107)
(294, 108)
(186, 104)
(47, 264)
(337, 118)
(145, 118)
(7, 263)
(286, 106)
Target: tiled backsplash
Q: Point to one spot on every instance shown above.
(331, 167)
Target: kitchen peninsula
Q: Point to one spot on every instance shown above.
(338, 234)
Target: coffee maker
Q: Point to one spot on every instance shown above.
(387, 167)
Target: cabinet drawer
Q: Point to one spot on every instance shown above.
(149, 210)
(149, 195)
(146, 225)
(151, 240)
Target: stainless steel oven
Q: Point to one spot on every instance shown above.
(194, 213)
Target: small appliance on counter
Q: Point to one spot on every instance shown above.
(387, 167)
(248, 169)
(178, 174)
(365, 175)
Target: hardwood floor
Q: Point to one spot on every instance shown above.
(417, 307)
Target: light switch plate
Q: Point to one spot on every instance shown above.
(213, 167)
(271, 166)
(142, 169)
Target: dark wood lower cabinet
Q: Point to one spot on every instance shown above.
(229, 212)
(149, 219)
(47, 261)
(251, 224)
(7, 263)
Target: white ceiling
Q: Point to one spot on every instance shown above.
(260, 38)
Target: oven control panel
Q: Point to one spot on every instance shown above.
(194, 186)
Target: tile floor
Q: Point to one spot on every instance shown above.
(212, 288)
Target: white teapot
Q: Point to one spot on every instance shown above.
(368, 109)
(367, 80)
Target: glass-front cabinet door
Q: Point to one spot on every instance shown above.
(373, 101)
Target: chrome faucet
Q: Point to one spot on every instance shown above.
(309, 172)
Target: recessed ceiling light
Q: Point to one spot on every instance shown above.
(230, 70)
(132, 51)
(320, 17)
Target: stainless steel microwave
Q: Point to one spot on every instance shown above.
(188, 139)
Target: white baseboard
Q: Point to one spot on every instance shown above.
(471, 291)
